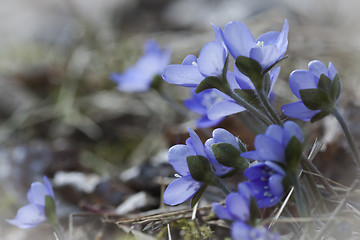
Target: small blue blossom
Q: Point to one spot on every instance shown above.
(266, 50)
(266, 183)
(33, 214)
(237, 210)
(138, 78)
(271, 145)
(302, 79)
(193, 70)
(220, 135)
(185, 187)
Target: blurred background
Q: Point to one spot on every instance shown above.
(105, 150)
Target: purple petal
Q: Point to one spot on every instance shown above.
(48, 187)
(317, 68)
(132, 80)
(211, 59)
(218, 168)
(291, 129)
(298, 110)
(253, 155)
(223, 109)
(196, 143)
(301, 79)
(273, 77)
(275, 184)
(275, 131)
(255, 171)
(282, 41)
(275, 167)
(221, 135)
(217, 32)
(240, 231)
(265, 55)
(238, 39)
(189, 60)
(237, 206)
(28, 216)
(332, 71)
(269, 149)
(177, 158)
(268, 202)
(205, 122)
(36, 194)
(243, 81)
(183, 75)
(181, 190)
(244, 190)
(268, 38)
(221, 212)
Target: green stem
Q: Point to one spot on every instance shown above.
(249, 107)
(265, 101)
(348, 135)
(220, 185)
(59, 232)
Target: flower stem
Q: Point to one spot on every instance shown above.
(265, 101)
(58, 231)
(220, 185)
(249, 107)
(348, 135)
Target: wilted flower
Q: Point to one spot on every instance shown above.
(33, 214)
(266, 50)
(139, 77)
(325, 85)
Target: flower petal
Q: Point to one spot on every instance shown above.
(183, 75)
(255, 171)
(224, 108)
(265, 55)
(301, 79)
(221, 135)
(240, 231)
(237, 206)
(181, 190)
(317, 68)
(282, 41)
(332, 71)
(298, 110)
(269, 149)
(211, 59)
(275, 131)
(189, 60)
(48, 187)
(177, 158)
(253, 155)
(205, 122)
(275, 184)
(196, 143)
(238, 39)
(28, 216)
(291, 129)
(36, 194)
(221, 212)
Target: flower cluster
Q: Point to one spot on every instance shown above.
(33, 214)
(197, 165)
(266, 177)
(238, 210)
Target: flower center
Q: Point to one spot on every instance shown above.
(259, 44)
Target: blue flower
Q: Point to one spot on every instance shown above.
(266, 50)
(193, 70)
(271, 145)
(185, 187)
(33, 214)
(237, 210)
(138, 78)
(220, 136)
(266, 183)
(302, 79)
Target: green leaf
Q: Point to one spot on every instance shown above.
(50, 210)
(266, 83)
(324, 83)
(157, 83)
(274, 64)
(229, 156)
(250, 68)
(198, 195)
(208, 83)
(319, 116)
(315, 99)
(293, 153)
(200, 168)
(335, 88)
(250, 96)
